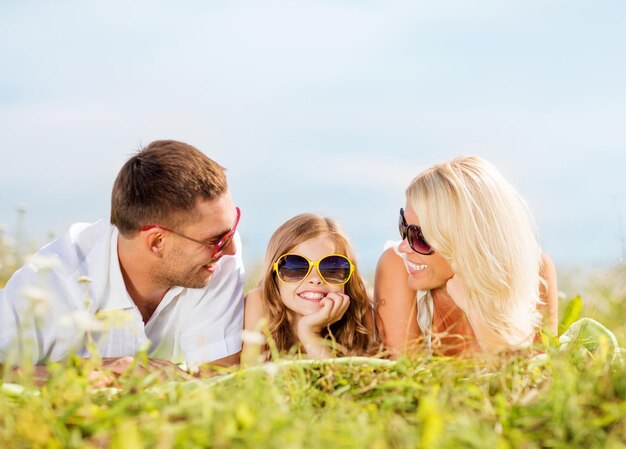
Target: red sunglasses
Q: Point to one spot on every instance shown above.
(218, 247)
(413, 235)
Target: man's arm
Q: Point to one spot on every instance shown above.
(108, 373)
(27, 305)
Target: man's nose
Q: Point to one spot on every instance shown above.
(231, 248)
(228, 250)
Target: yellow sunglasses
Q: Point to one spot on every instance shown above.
(334, 269)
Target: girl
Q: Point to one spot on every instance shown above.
(469, 274)
(311, 294)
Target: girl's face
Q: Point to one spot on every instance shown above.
(425, 272)
(303, 298)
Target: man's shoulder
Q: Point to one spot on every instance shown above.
(79, 243)
(82, 244)
(83, 251)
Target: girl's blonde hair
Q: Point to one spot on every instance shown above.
(350, 331)
(476, 220)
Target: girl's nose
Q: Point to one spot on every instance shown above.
(314, 277)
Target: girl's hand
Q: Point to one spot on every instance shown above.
(334, 305)
(458, 292)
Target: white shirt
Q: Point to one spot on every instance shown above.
(45, 312)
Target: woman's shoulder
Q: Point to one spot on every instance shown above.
(390, 262)
(548, 269)
(390, 280)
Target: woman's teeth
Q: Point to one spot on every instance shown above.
(416, 267)
(313, 296)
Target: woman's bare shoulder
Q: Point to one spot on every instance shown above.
(391, 279)
(389, 263)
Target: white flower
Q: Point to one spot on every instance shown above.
(82, 321)
(252, 337)
(39, 300)
(44, 262)
(271, 369)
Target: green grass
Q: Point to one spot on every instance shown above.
(508, 402)
(438, 402)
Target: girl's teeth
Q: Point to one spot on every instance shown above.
(416, 267)
(312, 295)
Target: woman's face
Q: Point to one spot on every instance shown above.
(303, 298)
(425, 272)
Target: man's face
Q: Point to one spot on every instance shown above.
(188, 263)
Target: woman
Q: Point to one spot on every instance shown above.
(469, 275)
(311, 294)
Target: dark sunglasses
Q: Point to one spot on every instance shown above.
(334, 269)
(413, 235)
(217, 248)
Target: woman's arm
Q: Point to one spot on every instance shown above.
(487, 339)
(395, 303)
(549, 294)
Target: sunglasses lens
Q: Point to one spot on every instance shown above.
(416, 240)
(335, 269)
(292, 268)
(414, 236)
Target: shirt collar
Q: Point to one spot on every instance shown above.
(119, 298)
(118, 295)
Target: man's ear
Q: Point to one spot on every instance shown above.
(155, 242)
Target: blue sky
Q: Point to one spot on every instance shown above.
(323, 106)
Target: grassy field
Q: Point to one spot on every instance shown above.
(573, 398)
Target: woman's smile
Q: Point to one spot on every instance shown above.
(415, 267)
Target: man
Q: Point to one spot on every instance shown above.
(170, 259)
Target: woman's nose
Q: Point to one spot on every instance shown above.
(404, 247)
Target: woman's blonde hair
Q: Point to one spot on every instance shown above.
(476, 220)
(350, 331)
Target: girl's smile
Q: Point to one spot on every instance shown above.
(309, 295)
(303, 298)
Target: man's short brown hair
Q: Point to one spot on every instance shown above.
(162, 180)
